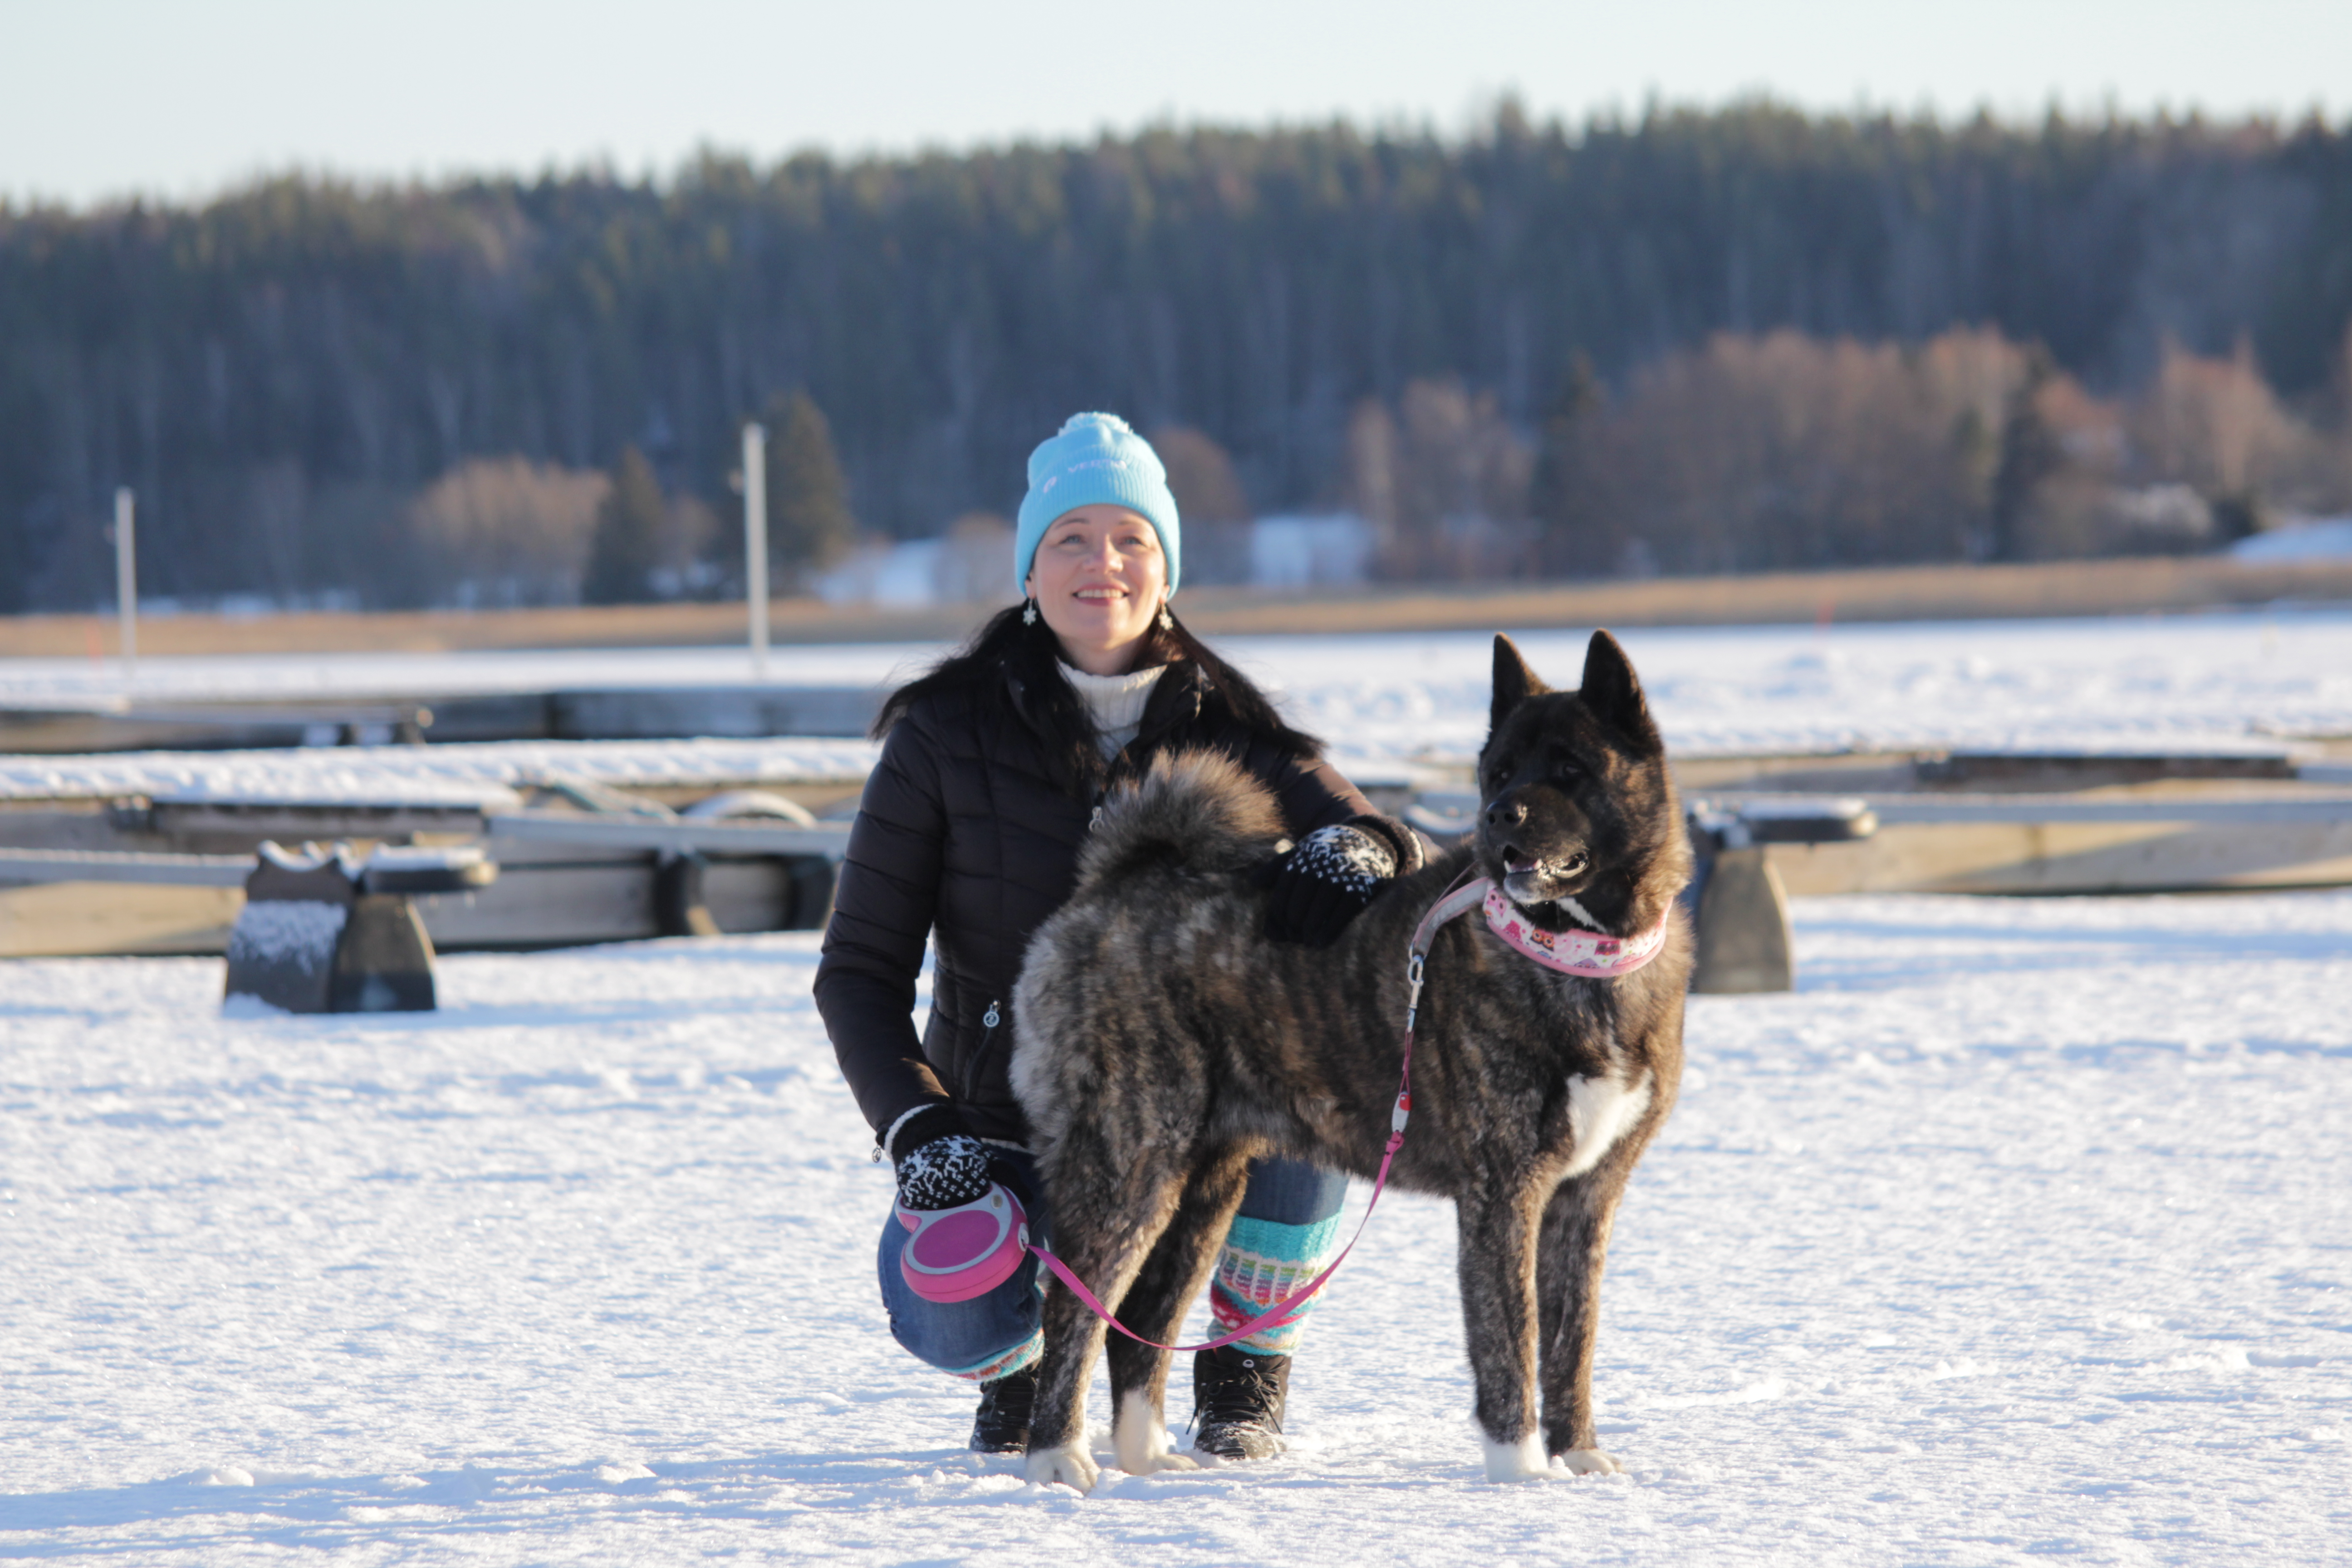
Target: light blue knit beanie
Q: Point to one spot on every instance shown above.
(1095, 458)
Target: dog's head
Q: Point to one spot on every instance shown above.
(1577, 820)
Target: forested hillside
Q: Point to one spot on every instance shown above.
(295, 375)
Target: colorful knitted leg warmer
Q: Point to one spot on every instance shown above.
(1265, 1260)
(1024, 1354)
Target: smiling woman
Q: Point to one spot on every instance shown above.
(968, 838)
(1100, 581)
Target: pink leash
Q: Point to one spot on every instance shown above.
(1456, 900)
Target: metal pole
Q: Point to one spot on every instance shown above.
(755, 542)
(126, 578)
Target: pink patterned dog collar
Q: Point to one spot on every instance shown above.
(1585, 952)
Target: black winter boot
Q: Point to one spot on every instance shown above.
(1002, 1426)
(1237, 1399)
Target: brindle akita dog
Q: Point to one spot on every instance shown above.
(1163, 1044)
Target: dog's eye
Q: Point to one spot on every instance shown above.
(1567, 771)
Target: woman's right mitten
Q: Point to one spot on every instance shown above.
(944, 1174)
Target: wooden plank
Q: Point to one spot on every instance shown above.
(2248, 811)
(656, 713)
(730, 836)
(105, 866)
(621, 713)
(2072, 858)
(296, 821)
(546, 906)
(549, 906)
(52, 732)
(68, 919)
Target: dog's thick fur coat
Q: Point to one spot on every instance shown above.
(1162, 1044)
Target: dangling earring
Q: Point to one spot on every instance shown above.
(1029, 614)
(1167, 620)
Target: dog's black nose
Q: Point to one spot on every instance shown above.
(1506, 813)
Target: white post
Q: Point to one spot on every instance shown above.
(126, 579)
(755, 542)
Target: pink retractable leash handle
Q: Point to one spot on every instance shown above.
(956, 1254)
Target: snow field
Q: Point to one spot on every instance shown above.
(2023, 1228)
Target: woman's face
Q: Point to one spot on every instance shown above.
(1099, 579)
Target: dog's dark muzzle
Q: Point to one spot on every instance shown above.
(1537, 854)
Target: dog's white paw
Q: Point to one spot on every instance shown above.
(1068, 1466)
(1524, 1460)
(1588, 1462)
(1143, 1442)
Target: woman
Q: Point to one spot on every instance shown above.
(968, 835)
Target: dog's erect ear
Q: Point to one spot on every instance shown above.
(1614, 693)
(1514, 683)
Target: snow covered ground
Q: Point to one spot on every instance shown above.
(2205, 683)
(2023, 1229)
(474, 774)
(2202, 683)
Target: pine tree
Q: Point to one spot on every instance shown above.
(628, 541)
(2030, 454)
(810, 525)
(1567, 532)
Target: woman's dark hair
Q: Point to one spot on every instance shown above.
(1031, 654)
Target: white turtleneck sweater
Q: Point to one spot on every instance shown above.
(1116, 701)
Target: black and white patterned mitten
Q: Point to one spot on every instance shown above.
(1324, 883)
(944, 1173)
(1346, 857)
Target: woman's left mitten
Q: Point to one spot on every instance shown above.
(1324, 883)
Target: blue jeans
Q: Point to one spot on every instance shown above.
(992, 1335)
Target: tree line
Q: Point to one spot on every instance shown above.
(1537, 348)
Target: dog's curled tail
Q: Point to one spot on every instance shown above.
(1197, 810)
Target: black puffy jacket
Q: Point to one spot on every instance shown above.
(964, 835)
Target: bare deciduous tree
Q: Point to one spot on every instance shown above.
(2215, 426)
(1214, 509)
(505, 531)
(1444, 482)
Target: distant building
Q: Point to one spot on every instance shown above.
(2312, 539)
(1331, 550)
(1302, 551)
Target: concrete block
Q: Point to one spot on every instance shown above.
(313, 939)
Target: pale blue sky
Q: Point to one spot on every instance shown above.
(99, 98)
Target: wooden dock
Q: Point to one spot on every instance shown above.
(1945, 824)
